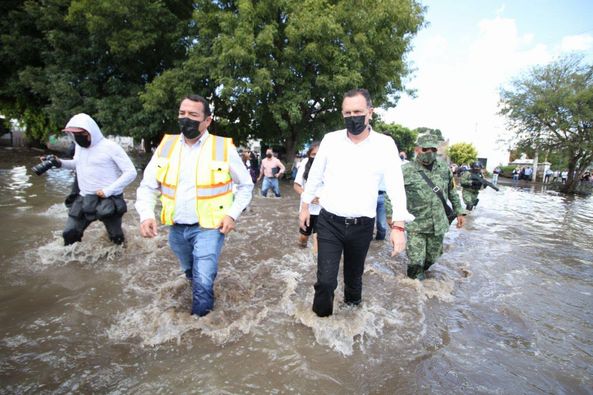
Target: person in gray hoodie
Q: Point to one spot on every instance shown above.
(103, 170)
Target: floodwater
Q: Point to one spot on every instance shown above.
(507, 310)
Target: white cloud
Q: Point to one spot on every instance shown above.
(457, 86)
(581, 42)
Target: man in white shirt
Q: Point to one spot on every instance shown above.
(346, 174)
(103, 170)
(194, 174)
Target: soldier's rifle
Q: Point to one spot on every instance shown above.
(484, 182)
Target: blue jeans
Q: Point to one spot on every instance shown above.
(198, 249)
(270, 182)
(381, 218)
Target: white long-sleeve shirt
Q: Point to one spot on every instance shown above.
(185, 197)
(104, 165)
(314, 209)
(346, 176)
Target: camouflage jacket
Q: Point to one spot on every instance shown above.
(423, 203)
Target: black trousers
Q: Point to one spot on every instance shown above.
(334, 236)
(75, 228)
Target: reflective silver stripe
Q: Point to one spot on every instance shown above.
(165, 190)
(167, 147)
(219, 150)
(205, 192)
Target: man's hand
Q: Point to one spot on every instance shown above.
(100, 193)
(315, 200)
(460, 221)
(227, 225)
(54, 159)
(398, 241)
(304, 217)
(148, 228)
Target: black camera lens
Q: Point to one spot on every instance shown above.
(49, 162)
(42, 167)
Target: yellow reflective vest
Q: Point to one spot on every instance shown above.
(214, 194)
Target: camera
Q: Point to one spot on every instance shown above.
(47, 163)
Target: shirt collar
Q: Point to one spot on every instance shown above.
(370, 136)
(199, 142)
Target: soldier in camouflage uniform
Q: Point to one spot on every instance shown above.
(426, 232)
(471, 188)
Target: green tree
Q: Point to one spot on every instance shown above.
(551, 108)
(405, 138)
(277, 70)
(462, 153)
(60, 57)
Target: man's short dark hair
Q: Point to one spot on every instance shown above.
(360, 91)
(200, 99)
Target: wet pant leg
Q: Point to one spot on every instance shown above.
(113, 226)
(356, 246)
(205, 245)
(330, 247)
(276, 187)
(334, 238)
(181, 248)
(416, 252)
(265, 186)
(74, 229)
(270, 182)
(434, 249)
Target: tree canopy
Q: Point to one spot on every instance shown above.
(462, 153)
(551, 109)
(405, 138)
(273, 70)
(61, 57)
(277, 70)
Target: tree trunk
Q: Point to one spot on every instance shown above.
(571, 182)
(290, 146)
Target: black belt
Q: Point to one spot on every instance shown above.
(196, 224)
(347, 220)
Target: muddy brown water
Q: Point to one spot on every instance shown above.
(508, 309)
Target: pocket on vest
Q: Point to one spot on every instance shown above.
(219, 172)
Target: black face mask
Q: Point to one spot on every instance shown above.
(355, 124)
(268, 156)
(189, 128)
(81, 139)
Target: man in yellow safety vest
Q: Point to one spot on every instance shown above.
(193, 173)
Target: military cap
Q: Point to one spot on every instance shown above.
(427, 140)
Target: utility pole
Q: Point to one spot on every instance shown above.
(534, 175)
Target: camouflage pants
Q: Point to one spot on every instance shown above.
(422, 249)
(470, 196)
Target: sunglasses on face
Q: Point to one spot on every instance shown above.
(429, 149)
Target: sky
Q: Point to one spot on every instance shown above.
(470, 49)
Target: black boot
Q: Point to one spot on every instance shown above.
(416, 272)
(469, 207)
